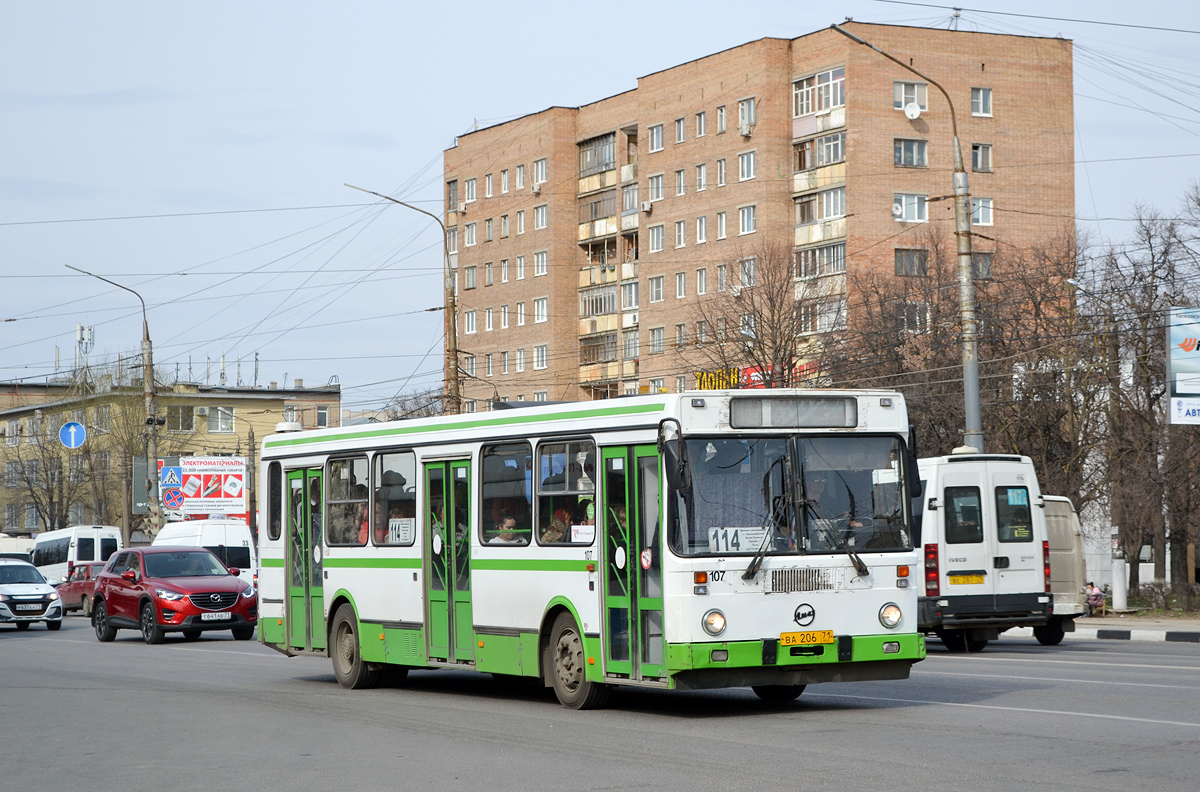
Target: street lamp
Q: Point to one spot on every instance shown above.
(973, 434)
(152, 421)
(451, 318)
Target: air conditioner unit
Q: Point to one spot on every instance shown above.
(735, 289)
(202, 412)
(647, 207)
(537, 189)
(745, 130)
(462, 208)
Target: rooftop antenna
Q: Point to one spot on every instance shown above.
(954, 18)
(222, 377)
(190, 377)
(256, 369)
(239, 371)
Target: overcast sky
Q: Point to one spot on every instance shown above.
(242, 121)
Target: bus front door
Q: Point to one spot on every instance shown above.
(633, 599)
(305, 602)
(451, 633)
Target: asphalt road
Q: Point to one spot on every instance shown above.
(218, 714)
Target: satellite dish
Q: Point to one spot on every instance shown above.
(897, 210)
(912, 111)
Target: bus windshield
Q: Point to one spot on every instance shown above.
(791, 496)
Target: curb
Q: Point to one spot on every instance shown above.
(1106, 634)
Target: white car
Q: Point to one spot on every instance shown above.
(26, 597)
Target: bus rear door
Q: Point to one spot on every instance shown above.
(451, 633)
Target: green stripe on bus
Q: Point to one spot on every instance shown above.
(373, 563)
(530, 565)
(514, 420)
(271, 562)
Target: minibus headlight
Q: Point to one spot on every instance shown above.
(713, 622)
(890, 615)
(168, 595)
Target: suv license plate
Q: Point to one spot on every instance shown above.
(218, 616)
(806, 638)
(30, 606)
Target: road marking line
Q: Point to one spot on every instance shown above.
(1009, 709)
(977, 659)
(1059, 679)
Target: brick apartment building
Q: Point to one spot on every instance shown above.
(583, 237)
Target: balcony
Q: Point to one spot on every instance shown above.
(599, 372)
(606, 226)
(818, 178)
(629, 172)
(819, 122)
(599, 324)
(598, 181)
(820, 232)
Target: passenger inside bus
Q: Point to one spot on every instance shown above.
(506, 531)
(559, 528)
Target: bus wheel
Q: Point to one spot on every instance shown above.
(1049, 634)
(351, 670)
(975, 644)
(778, 693)
(243, 633)
(567, 668)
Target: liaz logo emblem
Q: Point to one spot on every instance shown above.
(805, 614)
(1189, 345)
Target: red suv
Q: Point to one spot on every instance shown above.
(172, 589)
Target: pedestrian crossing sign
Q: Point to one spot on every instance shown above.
(170, 477)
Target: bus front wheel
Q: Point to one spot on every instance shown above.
(567, 667)
(778, 693)
(351, 670)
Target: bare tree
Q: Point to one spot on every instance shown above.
(415, 404)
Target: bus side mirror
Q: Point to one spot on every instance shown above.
(914, 476)
(674, 454)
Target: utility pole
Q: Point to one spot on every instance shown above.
(251, 498)
(973, 434)
(451, 304)
(152, 420)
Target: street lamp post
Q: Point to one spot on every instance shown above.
(451, 312)
(152, 421)
(973, 434)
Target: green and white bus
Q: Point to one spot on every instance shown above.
(686, 541)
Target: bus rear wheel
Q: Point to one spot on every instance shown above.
(778, 693)
(351, 670)
(567, 668)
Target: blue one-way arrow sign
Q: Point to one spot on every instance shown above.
(72, 434)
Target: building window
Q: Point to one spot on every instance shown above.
(747, 326)
(722, 278)
(656, 239)
(487, 186)
(981, 266)
(487, 319)
(746, 166)
(469, 191)
(504, 270)
(629, 296)
(487, 274)
(701, 177)
(701, 333)
(503, 317)
(629, 198)
(598, 301)
(452, 240)
(487, 365)
(818, 207)
(680, 336)
(487, 230)
(680, 233)
(521, 314)
(720, 225)
(721, 172)
(540, 266)
(656, 289)
(597, 155)
(469, 235)
(520, 360)
(539, 396)
(700, 123)
(12, 473)
(539, 359)
(680, 182)
(539, 171)
(654, 136)
(906, 93)
(468, 277)
(468, 365)
(981, 157)
(539, 216)
(916, 317)
(822, 316)
(658, 340)
(504, 226)
(981, 101)
(911, 263)
(831, 149)
(747, 116)
(908, 208)
(721, 120)
(680, 285)
(747, 223)
(679, 131)
(469, 406)
(220, 420)
(504, 181)
(539, 309)
(817, 261)
(748, 272)
(701, 229)
(520, 176)
(702, 281)
(468, 322)
(818, 93)
(101, 419)
(981, 211)
(910, 153)
(654, 187)
(181, 418)
(631, 344)
(521, 222)
(520, 268)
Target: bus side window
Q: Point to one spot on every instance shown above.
(507, 474)
(394, 499)
(567, 493)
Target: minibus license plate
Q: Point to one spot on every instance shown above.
(957, 579)
(30, 606)
(806, 638)
(219, 616)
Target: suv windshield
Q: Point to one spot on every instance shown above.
(19, 573)
(793, 495)
(187, 563)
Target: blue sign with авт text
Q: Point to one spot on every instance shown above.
(72, 434)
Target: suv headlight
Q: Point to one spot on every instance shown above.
(249, 592)
(168, 595)
(890, 615)
(713, 622)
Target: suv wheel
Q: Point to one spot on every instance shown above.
(104, 631)
(151, 632)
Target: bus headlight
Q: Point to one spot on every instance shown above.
(890, 615)
(713, 622)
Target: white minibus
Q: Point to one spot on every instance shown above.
(55, 553)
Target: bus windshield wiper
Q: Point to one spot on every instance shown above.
(859, 565)
(768, 525)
